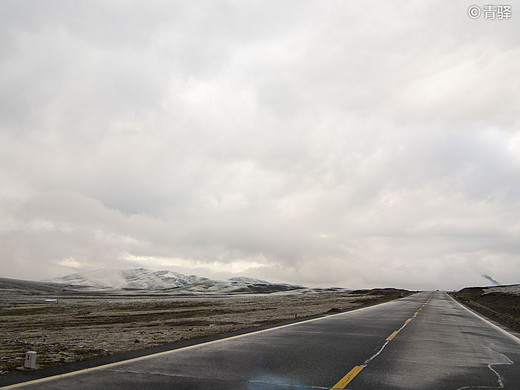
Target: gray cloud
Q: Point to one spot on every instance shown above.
(354, 145)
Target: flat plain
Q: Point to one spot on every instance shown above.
(84, 325)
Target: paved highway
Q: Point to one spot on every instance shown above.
(425, 341)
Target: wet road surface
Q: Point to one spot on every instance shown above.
(424, 341)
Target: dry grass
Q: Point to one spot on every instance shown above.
(83, 326)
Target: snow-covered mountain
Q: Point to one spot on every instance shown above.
(140, 278)
(168, 281)
(242, 279)
(234, 286)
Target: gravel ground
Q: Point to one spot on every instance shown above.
(82, 326)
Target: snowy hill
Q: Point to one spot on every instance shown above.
(513, 289)
(234, 286)
(140, 278)
(168, 281)
(248, 280)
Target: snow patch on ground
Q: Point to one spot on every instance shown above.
(511, 290)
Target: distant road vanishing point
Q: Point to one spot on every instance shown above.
(424, 341)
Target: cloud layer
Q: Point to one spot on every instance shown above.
(316, 143)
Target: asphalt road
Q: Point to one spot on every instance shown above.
(425, 341)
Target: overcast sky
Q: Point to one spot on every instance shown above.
(322, 143)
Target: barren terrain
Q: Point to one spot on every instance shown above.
(500, 303)
(86, 325)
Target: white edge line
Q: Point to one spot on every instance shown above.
(84, 370)
(486, 320)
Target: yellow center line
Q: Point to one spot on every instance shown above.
(347, 378)
(394, 333)
(357, 369)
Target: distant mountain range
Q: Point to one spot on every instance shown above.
(137, 279)
(143, 279)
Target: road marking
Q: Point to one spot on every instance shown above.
(352, 373)
(394, 333)
(132, 360)
(347, 378)
(486, 320)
